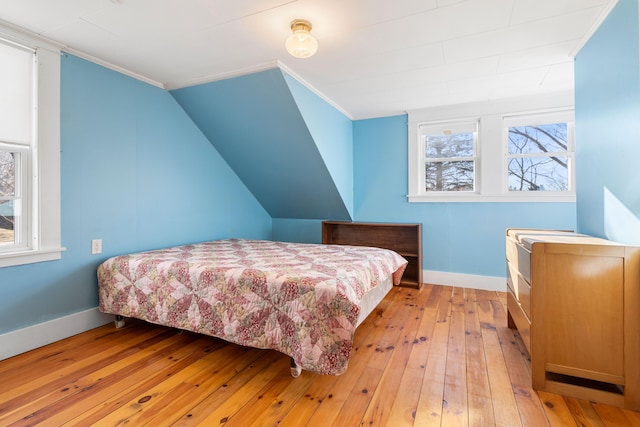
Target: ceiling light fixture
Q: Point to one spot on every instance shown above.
(301, 44)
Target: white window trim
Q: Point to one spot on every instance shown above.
(46, 242)
(455, 124)
(538, 118)
(491, 185)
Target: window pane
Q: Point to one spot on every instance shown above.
(7, 173)
(538, 139)
(547, 173)
(449, 176)
(446, 146)
(7, 221)
(7, 191)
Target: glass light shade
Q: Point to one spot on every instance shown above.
(301, 44)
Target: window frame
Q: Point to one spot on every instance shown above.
(491, 183)
(42, 180)
(452, 126)
(540, 118)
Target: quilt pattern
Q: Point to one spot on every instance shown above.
(299, 299)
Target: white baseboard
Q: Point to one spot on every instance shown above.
(472, 281)
(25, 339)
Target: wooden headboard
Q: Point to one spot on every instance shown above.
(405, 239)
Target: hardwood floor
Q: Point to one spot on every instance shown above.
(438, 356)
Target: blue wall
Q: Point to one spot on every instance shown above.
(135, 172)
(297, 230)
(457, 237)
(256, 125)
(608, 128)
(332, 133)
(139, 173)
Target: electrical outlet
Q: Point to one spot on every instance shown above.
(96, 246)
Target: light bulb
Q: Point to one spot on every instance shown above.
(301, 44)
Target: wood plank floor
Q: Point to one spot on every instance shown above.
(438, 356)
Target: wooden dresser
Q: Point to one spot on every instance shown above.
(575, 301)
(405, 239)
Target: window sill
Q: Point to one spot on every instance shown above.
(9, 259)
(494, 198)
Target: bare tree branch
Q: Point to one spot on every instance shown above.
(553, 137)
(538, 144)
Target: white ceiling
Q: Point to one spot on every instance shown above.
(376, 57)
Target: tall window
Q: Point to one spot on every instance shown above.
(29, 149)
(17, 106)
(450, 155)
(539, 152)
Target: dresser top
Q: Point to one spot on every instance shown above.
(527, 237)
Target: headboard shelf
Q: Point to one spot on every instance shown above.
(405, 239)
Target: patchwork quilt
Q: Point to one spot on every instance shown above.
(299, 299)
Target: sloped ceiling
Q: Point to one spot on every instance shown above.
(255, 124)
(376, 58)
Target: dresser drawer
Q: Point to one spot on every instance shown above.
(523, 324)
(520, 288)
(519, 257)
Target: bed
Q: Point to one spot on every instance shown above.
(304, 300)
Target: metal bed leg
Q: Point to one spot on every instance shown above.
(295, 369)
(119, 322)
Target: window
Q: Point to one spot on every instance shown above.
(450, 155)
(16, 142)
(12, 229)
(511, 150)
(29, 150)
(539, 152)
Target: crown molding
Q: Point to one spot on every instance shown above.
(113, 67)
(309, 86)
(593, 28)
(222, 76)
(19, 35)
(256, 69)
